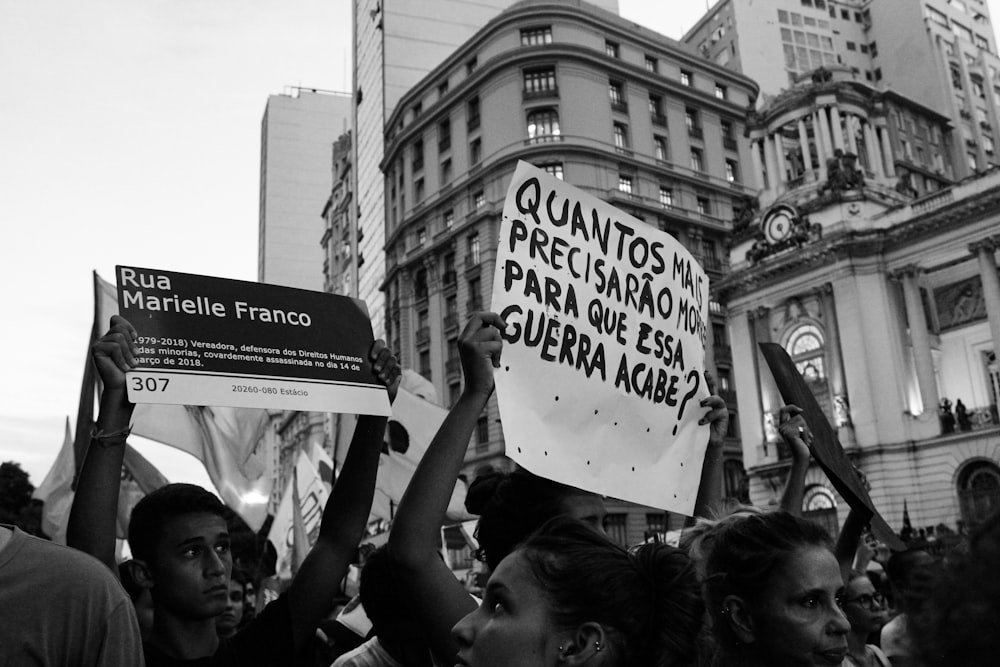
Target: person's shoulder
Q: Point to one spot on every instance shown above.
(59, 559)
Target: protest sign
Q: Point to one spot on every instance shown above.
(212, 341)
(603, 360)
(825, 447)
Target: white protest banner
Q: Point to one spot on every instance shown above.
(603, 360)
(212, 341)
(312, 496)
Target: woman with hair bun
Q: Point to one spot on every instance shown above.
(569, 596)
(772, 587)
(511, 506)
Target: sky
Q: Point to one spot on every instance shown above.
(130, 134)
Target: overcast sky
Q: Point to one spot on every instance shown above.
(131, 134)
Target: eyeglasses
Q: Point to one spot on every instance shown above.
(868, 600)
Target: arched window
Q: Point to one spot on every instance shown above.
(979, 491)
(820, 506)
(543, 125)
(805, 346)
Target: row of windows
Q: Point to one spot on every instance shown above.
(543, 126)
(613, 50)
(666, 196)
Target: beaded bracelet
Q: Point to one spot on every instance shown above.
(112, 439)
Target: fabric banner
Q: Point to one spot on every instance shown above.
(414, 422)
(604, 354)
(295, 529)
(139, 477)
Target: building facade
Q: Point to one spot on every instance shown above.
(618, 110)
(887, 300)
(298, 135)
(396, 43)
(297, 131)
(939, 54)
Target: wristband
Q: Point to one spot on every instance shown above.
(112, 439)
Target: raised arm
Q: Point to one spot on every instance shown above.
(793, 428)
(92, 519)
(439, 600)
(345, 516)
(708, 503)
(849, 538)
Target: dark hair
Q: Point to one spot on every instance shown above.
(166, 503)
(380, 593)
(241, 576)
(742, 553)
(902, 565)
(648, 601)
(511, 506)
(127, 577)
(956, 618)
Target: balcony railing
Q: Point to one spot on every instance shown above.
(423, 335)
(621, 107)
(540, 94)
(729, 142)
(696, 132)
(452, 367)
(659, 119)
(448, 278)
(711, 263)
(472, 264)
(450, 321)
(723, 353)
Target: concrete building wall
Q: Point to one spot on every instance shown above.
(436, 275)
(298, 131)
(396, 43)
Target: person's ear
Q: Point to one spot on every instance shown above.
(141, 573)
(588, 641)
(740, 620)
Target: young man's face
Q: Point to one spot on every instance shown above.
(191, 569)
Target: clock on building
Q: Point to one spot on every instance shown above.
(777, 223)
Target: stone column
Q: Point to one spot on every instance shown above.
(890, 164)
(822, 149)
(985, 253)
(772, 167)
(836, 129)
(838, 132)
(807, 167)
(850, 120)
(779, 154)
(824, 126)
(919, 339)
(758, 168)
(770, 399)
(835, 373)
(871, 145)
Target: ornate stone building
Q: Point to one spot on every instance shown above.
(888, 302)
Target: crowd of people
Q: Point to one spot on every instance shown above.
(747, 587)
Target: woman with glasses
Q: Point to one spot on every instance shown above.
(865, 609)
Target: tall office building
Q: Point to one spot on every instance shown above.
(620, 111)
(940, 54)
(887, 302)
(298, 132)
(297, 135)
(396, 43)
